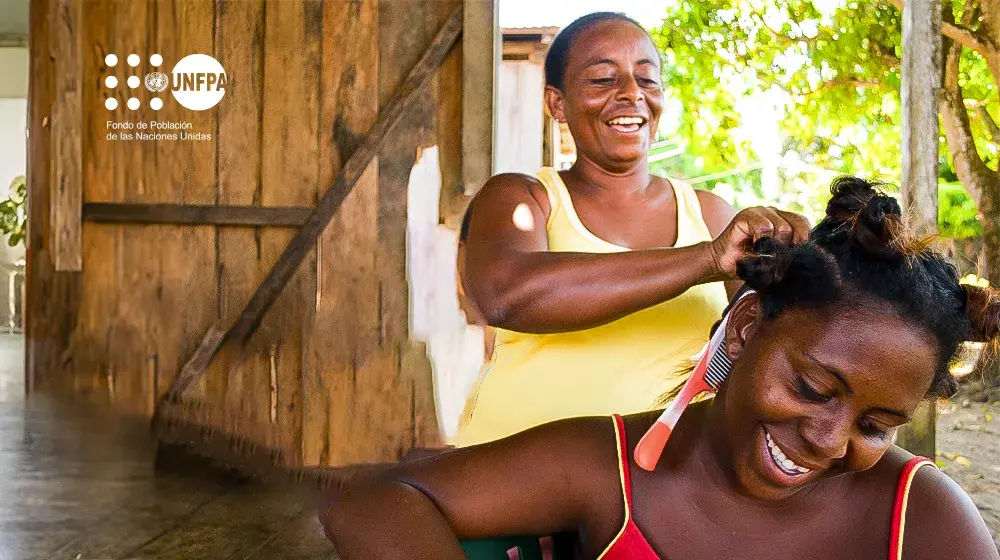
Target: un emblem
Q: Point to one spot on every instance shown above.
(156, 81)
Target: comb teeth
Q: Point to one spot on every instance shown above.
(718, 369)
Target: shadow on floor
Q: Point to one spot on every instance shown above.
(79, 484)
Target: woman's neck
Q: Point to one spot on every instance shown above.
(633, 179)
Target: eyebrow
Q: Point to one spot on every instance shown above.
(832, 371)
(905, 417)
(840, 377)
(639, 62)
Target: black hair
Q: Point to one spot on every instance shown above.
(463, 231)
(862, 253)
(556, 58)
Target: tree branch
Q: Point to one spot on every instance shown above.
(887, 54)
(991, 125)
(971, 170)
(959, 33)
(843, 81)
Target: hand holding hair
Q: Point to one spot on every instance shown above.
(750, 226)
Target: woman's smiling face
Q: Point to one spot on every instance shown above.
(612, 98)
(818, 393)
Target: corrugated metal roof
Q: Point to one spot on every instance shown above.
(530, 30)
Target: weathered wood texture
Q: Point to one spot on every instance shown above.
(50, 303)
(481, 42)
(195, 214)
(330, 375)
(67, 118)
(921, 73)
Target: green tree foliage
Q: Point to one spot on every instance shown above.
(13, 215)
(831, 70)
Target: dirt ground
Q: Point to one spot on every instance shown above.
(968, 450)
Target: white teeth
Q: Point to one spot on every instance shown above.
(780, 458)
(626, 120)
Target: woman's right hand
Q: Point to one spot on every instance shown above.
(749, 225)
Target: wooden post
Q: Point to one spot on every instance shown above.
(921, 75)
(67, 121)
(480, 63)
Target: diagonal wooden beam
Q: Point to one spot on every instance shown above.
(195, 214)
(306, 236)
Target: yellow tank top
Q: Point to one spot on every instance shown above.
(621, 367)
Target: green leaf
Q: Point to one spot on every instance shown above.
(837, 68)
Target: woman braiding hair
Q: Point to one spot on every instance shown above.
(845, 335)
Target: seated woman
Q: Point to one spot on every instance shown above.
(793, 459)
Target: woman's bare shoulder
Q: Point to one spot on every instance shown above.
(716, 212)
(514, 188)
(941, 520)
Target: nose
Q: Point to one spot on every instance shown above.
(630, 90)
(827, 437)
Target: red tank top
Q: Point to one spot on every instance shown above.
(631, 544)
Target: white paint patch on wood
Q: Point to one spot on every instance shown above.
(520, 117)
(454, 348)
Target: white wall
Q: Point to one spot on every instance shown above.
(13, 72)
(13, 148)
(520, 117)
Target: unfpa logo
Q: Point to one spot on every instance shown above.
(198, 82)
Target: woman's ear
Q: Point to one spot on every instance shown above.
(555, 102)
(741, 324)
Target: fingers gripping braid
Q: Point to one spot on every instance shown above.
(801, 275)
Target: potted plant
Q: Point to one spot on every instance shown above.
(13, 215)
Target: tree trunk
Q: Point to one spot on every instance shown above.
(982, 182)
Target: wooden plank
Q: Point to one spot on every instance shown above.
(240, 49)
(306, 236)
(481, 52)
(400, 42)
(39, 268)
(921, 76)
(448, 99)
(67, 119)
(521, 118)
(195, 214)
(303, 539)
(288, 177)
(348, 319)
(91, 364)
(135, 333)
(347, 285)
(187, 174)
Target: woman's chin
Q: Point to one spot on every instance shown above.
(626, 156)
(762, 478)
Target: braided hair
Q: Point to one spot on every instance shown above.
(862, 253)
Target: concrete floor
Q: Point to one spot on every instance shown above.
(78, 484)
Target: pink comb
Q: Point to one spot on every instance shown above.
(711, 370)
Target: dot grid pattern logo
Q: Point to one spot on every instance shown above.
(198, 82)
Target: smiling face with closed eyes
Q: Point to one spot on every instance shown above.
(612, 96)
(816, 393)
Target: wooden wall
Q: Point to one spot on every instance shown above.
(521, 117)
(331, 375)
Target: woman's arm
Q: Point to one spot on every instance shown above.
(718, 214)
(538, 482)
(519, 285)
